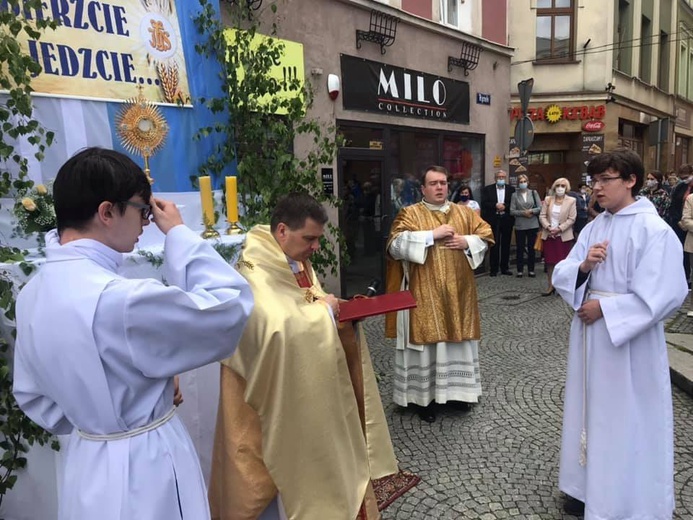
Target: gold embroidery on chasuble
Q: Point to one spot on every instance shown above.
(444, 286)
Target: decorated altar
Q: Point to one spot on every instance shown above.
(34, 496)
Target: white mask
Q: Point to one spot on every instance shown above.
(560, 191)
(652, 183)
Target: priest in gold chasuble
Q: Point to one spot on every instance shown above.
(434, 247)
(301, 429)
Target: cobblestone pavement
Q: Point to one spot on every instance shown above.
(501, 459)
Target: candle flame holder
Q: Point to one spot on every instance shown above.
(234, 229)
(209, 233)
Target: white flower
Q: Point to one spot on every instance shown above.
(29, 204)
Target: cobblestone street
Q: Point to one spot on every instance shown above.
(501, 459)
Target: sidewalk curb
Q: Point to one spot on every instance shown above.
(681, 361)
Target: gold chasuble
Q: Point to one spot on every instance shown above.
(443, 285)
(289, 420)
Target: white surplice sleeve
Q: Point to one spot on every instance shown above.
(411, 246)
(196, 320)
(32, 399)
(476, 249)
(657, 288)
(566, 273)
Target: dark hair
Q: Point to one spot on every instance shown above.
(465, 187)
(434, 168)
(90, 177)
(295, 208)
(657, 175)
(685, 169)
(622, 160)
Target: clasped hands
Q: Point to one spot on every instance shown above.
(451, 240)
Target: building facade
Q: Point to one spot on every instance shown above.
(403, 105)
(603, 77)
(683, 127)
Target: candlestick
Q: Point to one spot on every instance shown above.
(231, 200)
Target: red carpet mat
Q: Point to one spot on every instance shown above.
(390, 488)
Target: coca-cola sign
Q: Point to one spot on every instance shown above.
(593, 126)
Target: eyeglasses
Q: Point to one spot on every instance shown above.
(602, 181)
(145, 209)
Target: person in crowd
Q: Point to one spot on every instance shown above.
(623, 278)
(495, 209)
(396, 201)
(655, 193)
(679, 194)
(671, 182)
(582, 198)
(294, 436)
(557, 217)
(465, 198)
(686, 224)
(593, 208)
(525, 206)
(96, 354)
(434, 247)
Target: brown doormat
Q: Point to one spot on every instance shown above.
(390, 488)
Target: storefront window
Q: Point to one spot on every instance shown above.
(362, 137)
(463, 157)
(545, 158)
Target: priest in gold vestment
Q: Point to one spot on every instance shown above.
(300, 429)
(434, 247)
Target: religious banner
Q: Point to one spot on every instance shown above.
(288, 71)
(377, 87)
(109, 50)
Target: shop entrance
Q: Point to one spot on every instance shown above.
(364, 219)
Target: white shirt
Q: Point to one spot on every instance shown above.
(500, 194)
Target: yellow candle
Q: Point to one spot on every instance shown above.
(231, 200)
(207, 200)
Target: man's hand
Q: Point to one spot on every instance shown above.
(590, 311)
(595, 256)
(456, 242)
(177, 394)
(500, 207)
(166, 214)
(333, 303)
(443, 232)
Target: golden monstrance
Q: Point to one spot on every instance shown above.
(142, 129)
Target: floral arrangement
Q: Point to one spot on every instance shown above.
(34, 211)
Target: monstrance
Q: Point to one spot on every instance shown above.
(142, 129)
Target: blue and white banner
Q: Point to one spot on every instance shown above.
(79, 123)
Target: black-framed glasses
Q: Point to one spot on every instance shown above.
(145, 209)
(602, 181)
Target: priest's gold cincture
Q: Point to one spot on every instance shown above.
(207, 207)
(232, 207)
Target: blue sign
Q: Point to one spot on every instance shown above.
(483, 99)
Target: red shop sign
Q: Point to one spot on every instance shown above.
(593, 126)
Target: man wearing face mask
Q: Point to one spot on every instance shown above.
(673, 216)
(495, 209)
(582, 199)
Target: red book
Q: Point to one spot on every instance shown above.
(359, 308)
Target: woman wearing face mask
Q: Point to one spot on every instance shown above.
(465, 198)
(557, 217)
(655, 192)
(525, 205)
